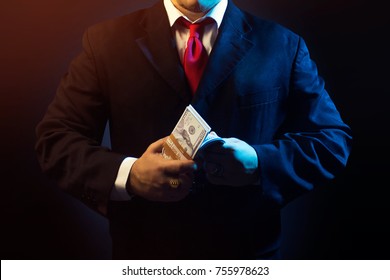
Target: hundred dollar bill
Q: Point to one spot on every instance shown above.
(189, 135)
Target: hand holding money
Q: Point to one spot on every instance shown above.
(226, 161)
(152, 176)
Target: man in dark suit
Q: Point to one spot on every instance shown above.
(260, 91)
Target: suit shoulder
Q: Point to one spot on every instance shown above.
(271, 28)
(111, 28)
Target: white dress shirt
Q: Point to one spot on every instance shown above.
(181, 34)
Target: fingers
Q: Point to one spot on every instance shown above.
(179, 166)
(164, 188)
(215, 173)
(174, 183)
(234, 163)
(156, 147)
(213, 165)
(157, 179)
(181, 181)
(171, 166)
(213, 169)
(221, 153)
(176, 189)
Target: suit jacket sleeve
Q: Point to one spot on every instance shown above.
(313, 143)
(69, 136)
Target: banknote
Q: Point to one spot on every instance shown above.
(190, 134)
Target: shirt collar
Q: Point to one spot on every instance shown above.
(216, 13)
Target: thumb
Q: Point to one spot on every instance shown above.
(156, 147)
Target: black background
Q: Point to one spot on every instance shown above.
(348, 39)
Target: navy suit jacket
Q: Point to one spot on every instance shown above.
(260, 86)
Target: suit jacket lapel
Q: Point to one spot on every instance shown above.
(229, 49)
(160, 49)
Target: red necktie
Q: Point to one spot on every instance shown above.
(195, 55)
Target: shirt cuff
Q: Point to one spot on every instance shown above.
(119, 192)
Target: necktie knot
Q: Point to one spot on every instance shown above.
(194, 30)
(197, 28)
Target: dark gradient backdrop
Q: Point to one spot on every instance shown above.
(348, 40)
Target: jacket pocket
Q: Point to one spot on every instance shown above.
(258, 97)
